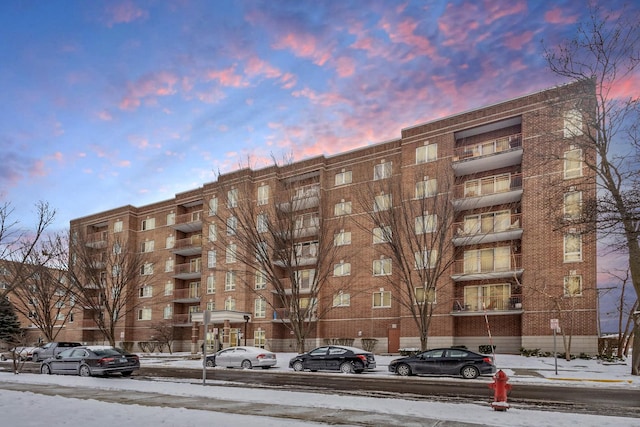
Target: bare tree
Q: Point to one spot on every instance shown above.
(413, 230)
(106, 274)
(282, 239)
(164, 334)
(606, 51)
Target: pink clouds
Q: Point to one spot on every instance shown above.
(556, 16)
(404, 32)
(124, 13)
(227, 77)
(515, 41)
(149, 88)
(305, 46)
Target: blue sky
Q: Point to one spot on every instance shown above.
(108, 103)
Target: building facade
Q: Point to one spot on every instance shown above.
(512, 176)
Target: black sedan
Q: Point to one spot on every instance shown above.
(334, 358)
(444, 361)
(91, 360)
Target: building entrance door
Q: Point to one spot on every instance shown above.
(393, 340)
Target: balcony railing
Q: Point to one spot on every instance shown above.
(488, 191)
(485, 229)
(97, 240)
(186, 295)
(189, 246)
(487, 268)
(305, 197)
(181, 319)
(283, 314)
(486, 148)
(488, 155)
(490, 305)
(188, 222)
(187, 271)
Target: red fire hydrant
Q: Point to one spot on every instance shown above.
(500, 389)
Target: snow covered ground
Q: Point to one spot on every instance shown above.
(30, 409)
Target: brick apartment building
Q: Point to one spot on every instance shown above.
(511, 184)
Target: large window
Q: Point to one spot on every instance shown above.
(426, 153)
(382, 299)
(382, 234)
(231, 253)
(146, 269)
(342, 238)
(211, 259)
(260, 279)
(573, 205)
(573, 163)
(426, 188)
(263, 195)
(230, 304)
(305, 278)
(167, 312)
(148, 224)
(168, 288)
(213, 232)
(213, 206)
(230, 281)
(144, 314)
(382, 171)
(572, 247)
(487, 260)
(488, 185)
(146, 291)
(491, 222)
(168, 265)
(342, 208)
(572, 123)
(171, 218)
(262, 223)
(382, 267)
(260, 338)
(426, 223)
(573, 285)
(341, 300)
(343, 178)
(425, 259)
(211, 284)
(382, 202)
(425, 294)
(170, 242)
(117, 226)
(232, 226)
(342, 269)
(260, 308)
(487, 297)
(232, 198)
(147, 246)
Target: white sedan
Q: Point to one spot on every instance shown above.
(242, 357)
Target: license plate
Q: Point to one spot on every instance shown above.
(123, 360)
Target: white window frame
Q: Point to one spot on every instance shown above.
(428, 187)
(572, 123)
(425, 259)
(263, 195)
(426, 153)
(232, 225)
(168, 288)
(144, 314)
(343, 178)
(382, 267)
(576, 255)
(342, 269)
(260, 308)
(231, 254)
(262, 223)
(211, 258)
(146, 269)
(572, 205)
(341, 299)
(382, 170)
(171, 218)
(260, 279)
(427, 223)
(573, 163)
(232, 198)
(148, 224)
(382, 202)
(230, 280)
(382, 234)
(424, 296)
(167, 312)
(383, 299)
(230, 304)
(117, 226)
(342, 208)
(568, 285)
(213, 206)
(211, 284)
(342, 238)
(168, 265)
(213, 232)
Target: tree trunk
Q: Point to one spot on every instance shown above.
(635, 355)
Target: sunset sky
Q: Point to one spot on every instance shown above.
(108, 103)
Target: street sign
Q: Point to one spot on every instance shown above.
(555, 324)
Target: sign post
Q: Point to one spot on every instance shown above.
(555, 325)
(206, 317)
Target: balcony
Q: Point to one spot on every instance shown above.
(181, 319)
(487, 267)
(189, 295)
(189, 222)
(305, 197)
(489, 305)
(189, 246)
(89, 324)
(97, 240)
(187, 271)
(488, 155)
(488, 191)
(283, 315)
(497, 229)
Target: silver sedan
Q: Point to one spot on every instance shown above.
(242, 357)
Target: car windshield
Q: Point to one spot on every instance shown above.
(107, 352)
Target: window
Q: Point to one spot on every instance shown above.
(382, 267)
(341, 300)
(194, 289)
(144, 314)
(426, 188)
(168, 288)
(382, 234)
(426, 153)
(573, 205)
(262, 223)
(382, 171)
(230, 281)
(307, 223)
(343, 178)
(170, 242)
(572, 285)
(168, 265)
(304, 279)
(60, 304)
(171, 218)
(491, 222)
(487, 297)
(382, 202)
(211, 259)
(167, 312)
(262, 254)
(260, 338)
(487, 260)
(211, 305)
(213, 232)
(425, 294)
(382, 299)
(117, 226)
(230, 304)
(263, 195)
(342, 208)
(306, 249)
(573, 163)
(260, 308)
(425, 259)
(146, 269)
(572, 247)
(342, 269)
(232, 198)
(232, 226)
(211, 284)
(572, 123)
(489, 185)
(426, 223)
(231, 253)
(148, 224)
(117, 249)
(342, 238)
(147, 246)
(260, 281)
(213, 206)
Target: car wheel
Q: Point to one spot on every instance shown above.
(35, 357)
(358, 367)
(210, 364)
(45, 369)
(403, 370)
(298, 366)
(246, 364)
(84, 371)
(346, 368)
(127, 373)
(470, 372)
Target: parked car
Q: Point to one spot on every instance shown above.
(444, 361)
(334, 358)
(242, 357)
(22, 353)
(91, 360)
(51, 349)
